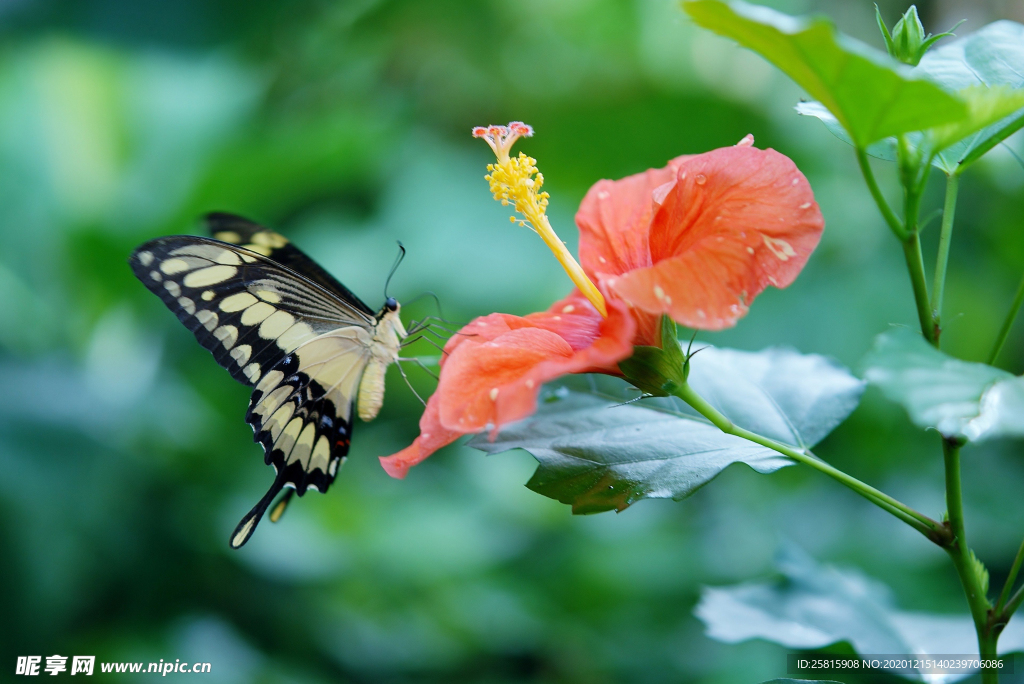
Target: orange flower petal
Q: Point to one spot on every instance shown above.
(432, 437)
(615, 220)
(737, 220)
(496, 365)
(494, 380)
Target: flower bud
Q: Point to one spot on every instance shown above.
(908, 41)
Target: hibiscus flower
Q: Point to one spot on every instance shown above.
(697, 240)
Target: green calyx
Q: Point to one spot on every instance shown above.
(908, 42)
(658, 371)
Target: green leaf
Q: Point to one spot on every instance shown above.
(958, 398)
(813, 606)
(791, 397)
(986, 106)
(986, 71)
(986, 68)
(801, 681)
(599, 455)
(883, 149)
(869, 93)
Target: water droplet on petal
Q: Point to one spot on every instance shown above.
(700, 179)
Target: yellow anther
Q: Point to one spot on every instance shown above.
(516, 181)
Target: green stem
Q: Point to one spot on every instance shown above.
(869, 177)
(1004, 332)
(915, 267)
(1010, 579)
(961, 555)
(907, 234)
(922, 523)
(945, 237)
(1013, 604)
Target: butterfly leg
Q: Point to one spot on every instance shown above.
(406, 378)
(410, 340)
(248, 524)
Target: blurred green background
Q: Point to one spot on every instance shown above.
(345, 125)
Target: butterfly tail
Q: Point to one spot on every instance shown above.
(248, 524)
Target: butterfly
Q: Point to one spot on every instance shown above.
(312, 351)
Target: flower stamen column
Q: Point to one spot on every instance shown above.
(516, 182)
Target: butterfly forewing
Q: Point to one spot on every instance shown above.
(256, 238)
(243, 307)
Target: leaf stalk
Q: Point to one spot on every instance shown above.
(935, 531)
(942, 260)
(1010, 579)
(1004, 331)
(887, 213)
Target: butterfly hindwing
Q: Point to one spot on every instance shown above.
(301, 411)
(246, 309)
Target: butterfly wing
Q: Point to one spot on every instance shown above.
(245, 308)
(276, 320)
(254, 237)
(301, 412)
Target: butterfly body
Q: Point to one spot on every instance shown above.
(387, 344)
(312, 351)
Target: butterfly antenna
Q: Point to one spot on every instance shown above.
(394, 267)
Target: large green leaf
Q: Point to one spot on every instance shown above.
(779, 393)
(813, 606)
(882, 149)
(870, 94)
(958, 398)
(986, 70)
(598, 455)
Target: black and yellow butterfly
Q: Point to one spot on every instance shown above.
(277, 321)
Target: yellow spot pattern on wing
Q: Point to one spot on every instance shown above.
(256, 313)
(237, 302)
(172, 266)
(210, 275)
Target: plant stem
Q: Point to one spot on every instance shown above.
(1010, 579)
(1013, 604)
(915, 267)
(942, 260)
(907, 234)
(966, 566)
(1004, 332)
(922, 523)
(869, 177)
